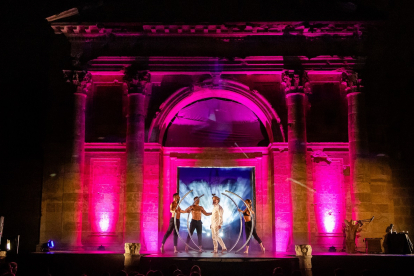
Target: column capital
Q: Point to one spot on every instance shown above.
(295, 82)
(81, 80)
(351, 82)
(137, 81)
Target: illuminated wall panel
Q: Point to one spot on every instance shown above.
(104, 195)
(328, 181)
(150, 200)
(282, 201)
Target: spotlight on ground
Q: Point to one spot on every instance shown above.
(51, 244)
(47, 246)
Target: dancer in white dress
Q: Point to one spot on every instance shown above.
(216, 223)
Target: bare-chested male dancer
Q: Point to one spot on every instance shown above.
(248, 227)
(216, 223)
(171, 226)
(196, 223)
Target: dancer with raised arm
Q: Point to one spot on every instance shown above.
(173, 206)
(216, 223)
(248, 227)
(352, 227)
(196, 223)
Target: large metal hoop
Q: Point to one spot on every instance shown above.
(188, 224)
(175, 223)
(252, 220)
(241, 222)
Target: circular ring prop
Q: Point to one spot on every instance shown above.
(188, 224)
(175, 223)
(252, 220)
(241, 223)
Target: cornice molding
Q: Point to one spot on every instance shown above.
(239, 29)
(206, 65)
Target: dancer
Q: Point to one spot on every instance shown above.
(248, 227)
(351, 228)
(216, 223)
(196, 222)
(171, 226)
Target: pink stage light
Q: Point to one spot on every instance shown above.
(104, 222)
(283, 212)
(104, 195)
(329, 222)
(329, 196)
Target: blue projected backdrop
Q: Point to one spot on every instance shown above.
(210, 181)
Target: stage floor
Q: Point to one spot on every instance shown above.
(210, 255)
(259, 255)
(95, 263)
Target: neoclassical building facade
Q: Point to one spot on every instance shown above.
(283, 98)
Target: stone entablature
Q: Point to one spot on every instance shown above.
(298, 28)
(160, 65)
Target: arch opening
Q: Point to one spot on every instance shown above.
(215, 122)
(230, 94)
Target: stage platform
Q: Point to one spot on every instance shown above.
(95, 263)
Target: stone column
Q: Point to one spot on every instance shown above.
(139, 89)
(73, 180)
(296, 106)
(358, 149)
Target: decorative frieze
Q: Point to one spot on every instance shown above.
(351, 82)
(82, 80)
(309, 29)
(138, 81)
(295, 82)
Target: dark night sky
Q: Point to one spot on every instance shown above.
(27, 50)
(389, 69)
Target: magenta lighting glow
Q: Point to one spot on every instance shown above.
(329, 198)
(105, 195)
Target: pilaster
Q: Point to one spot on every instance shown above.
(360, 190)
(138, 85)
(296, 87)
(73, 176)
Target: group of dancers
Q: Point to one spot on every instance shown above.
(215, 226)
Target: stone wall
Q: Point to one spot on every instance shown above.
(402, 198)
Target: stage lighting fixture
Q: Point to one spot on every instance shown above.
(44, 248)
(51, 244)
(332, 249)
(6, 244)
(221, 234)
(208, 234)
(47, 245)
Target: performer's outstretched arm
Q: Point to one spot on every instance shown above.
(204, 212)
(186, 211)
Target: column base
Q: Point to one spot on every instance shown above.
(131, 262)
(298, 238)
